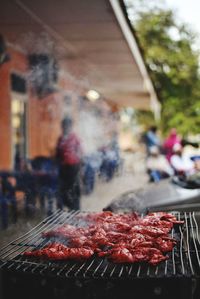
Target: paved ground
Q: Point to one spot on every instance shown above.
(131, 177)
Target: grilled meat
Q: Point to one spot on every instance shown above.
(122, 238)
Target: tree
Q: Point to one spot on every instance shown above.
(173, 66)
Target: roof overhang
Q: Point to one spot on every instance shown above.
(93, 41)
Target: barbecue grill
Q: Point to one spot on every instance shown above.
(177, 277)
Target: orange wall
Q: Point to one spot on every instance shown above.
(16, 64)
(44, 124)
(43, 116)
(5, 128)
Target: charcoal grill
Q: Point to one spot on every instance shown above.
(178, 277)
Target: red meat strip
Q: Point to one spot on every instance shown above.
(57, 251)
(121, 255)
(150, 230)
(153, 221)
(167, 217)
(164, 244)
(64, 230)
(110, 217)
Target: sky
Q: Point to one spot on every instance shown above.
(187, 11)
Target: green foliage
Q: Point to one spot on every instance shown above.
(173, 65)
(145, 117)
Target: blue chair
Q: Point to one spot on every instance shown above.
(4, 211)
(8, 203)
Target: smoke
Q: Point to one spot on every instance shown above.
(31, 42)
(41, 46)
(72, 83)
(92, 131)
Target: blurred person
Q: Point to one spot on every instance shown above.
(88, 173)
(151, 139)
(197, 164)
(170, 141)
(181, 163)
(17, 158)
(157, 165)
(110, 158)
(69, 156)
(26, 182)
(114, 146)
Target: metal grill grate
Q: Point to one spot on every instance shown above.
(184, 260)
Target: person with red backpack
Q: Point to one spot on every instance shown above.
(69, 156)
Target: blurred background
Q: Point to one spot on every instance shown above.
(126, 73)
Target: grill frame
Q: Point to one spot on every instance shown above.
(183, 267)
